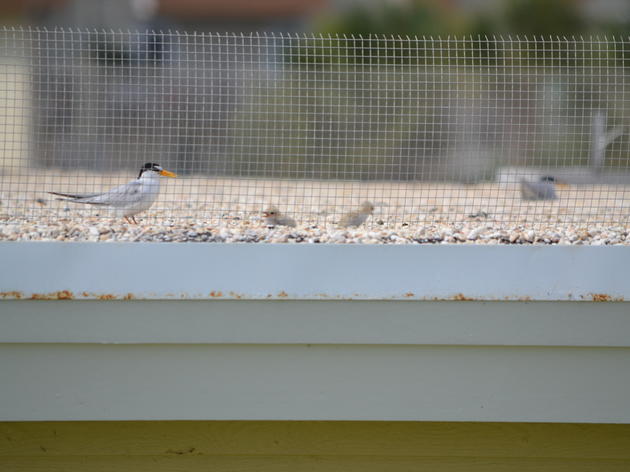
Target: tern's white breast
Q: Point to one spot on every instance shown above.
(148, 192)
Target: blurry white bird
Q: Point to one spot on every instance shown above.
(543, 189)
(273, 217)
(129, 199)
(356, 218)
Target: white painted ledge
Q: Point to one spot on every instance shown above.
(283, 332)
(313, 272)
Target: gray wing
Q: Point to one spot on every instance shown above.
(74, 196)
(538, 190)
(123, 195)
(351, 219)
(287, 221)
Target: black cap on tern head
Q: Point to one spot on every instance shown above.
(547, 178)
(150, 166)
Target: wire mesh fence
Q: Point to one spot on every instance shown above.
(306, 130)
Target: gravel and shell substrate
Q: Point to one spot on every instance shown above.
(230, 210)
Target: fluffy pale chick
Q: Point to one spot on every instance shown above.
(543, 189)
(129, 199)
(273, 217)
(356, 218)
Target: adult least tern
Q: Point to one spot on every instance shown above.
(129, 199)
(543, 189)
(356, 218)
(273, 217)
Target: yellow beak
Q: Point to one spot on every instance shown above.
(562, 183)
(166, 173)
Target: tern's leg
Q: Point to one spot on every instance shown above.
(133, 218)
(127, 219)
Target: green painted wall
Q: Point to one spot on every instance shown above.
(311, 446)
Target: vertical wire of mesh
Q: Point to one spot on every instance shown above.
(514, 130)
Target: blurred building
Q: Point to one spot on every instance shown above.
(114, 88)
(106, 98)
(203, 15)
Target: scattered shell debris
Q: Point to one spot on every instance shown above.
(110, 230)
(205, 209)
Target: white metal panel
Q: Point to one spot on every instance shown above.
(320, 382)
(306, 271)
(321, 322)
(388, 352)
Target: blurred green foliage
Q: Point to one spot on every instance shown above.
(411, 18)
(543, 18)
(431, 18)
(419, 32)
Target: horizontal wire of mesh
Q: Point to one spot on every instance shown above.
(504, 129)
